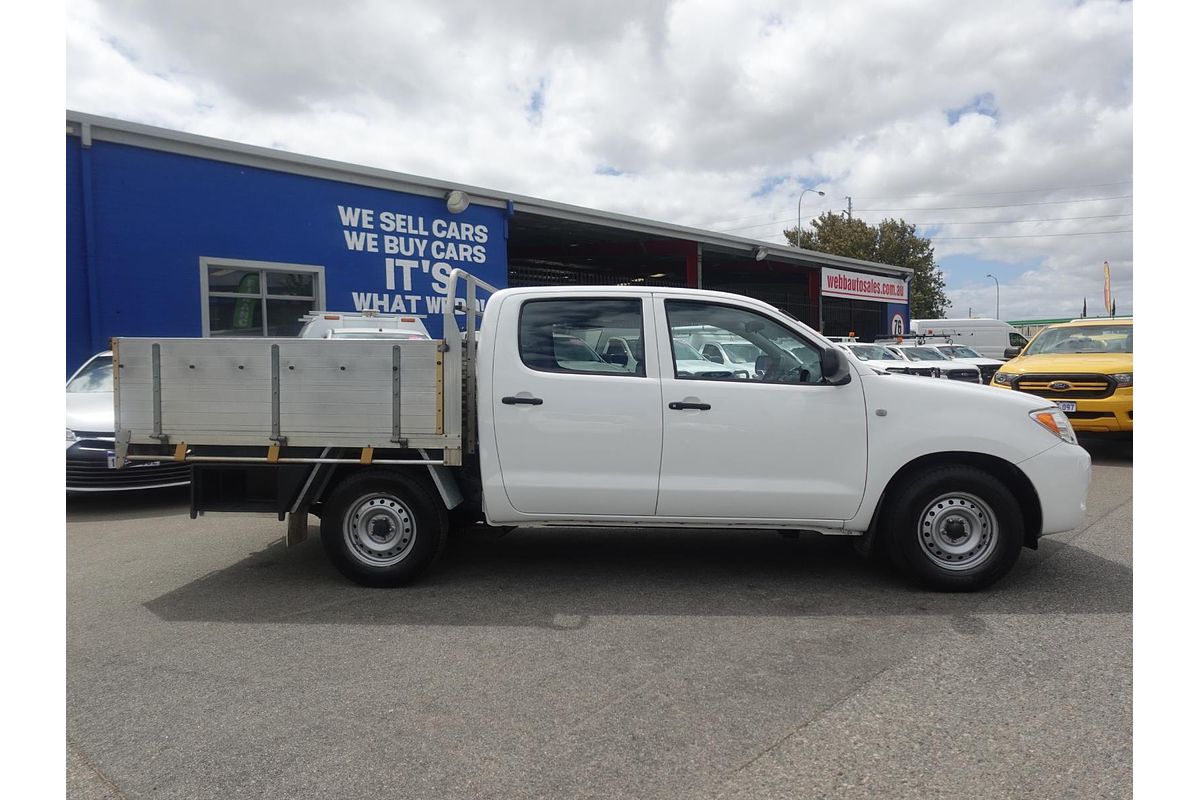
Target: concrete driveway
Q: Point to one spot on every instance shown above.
(206, 660)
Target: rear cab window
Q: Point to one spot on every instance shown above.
(583, 335)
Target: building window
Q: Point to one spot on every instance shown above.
(258, 298)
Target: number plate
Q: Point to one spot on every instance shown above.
(1065, 405)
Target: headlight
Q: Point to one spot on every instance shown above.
(1123, 379)
(71, 437)
(1056, 422)
(1003, 378)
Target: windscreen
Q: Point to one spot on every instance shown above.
(685, 352)
(744, 353)
(872, 352)
(1083, 339)
(97, 376)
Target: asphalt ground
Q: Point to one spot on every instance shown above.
(206, 660)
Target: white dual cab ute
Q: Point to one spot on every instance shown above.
(389, 442)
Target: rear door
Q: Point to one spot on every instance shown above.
(575, 433)
(781, 445)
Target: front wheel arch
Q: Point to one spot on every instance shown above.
(1004, 471)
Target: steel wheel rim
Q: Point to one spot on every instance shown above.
(957, 531)
(380, 530)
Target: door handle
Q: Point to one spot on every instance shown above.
(678, 406)
(521, 401)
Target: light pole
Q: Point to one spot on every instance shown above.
(997, 280)
(799, 219)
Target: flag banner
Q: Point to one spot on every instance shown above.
(1108, 298)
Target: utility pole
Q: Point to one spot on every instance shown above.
(849, 208)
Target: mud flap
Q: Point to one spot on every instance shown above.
(297, 527)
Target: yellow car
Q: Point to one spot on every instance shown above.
(1085, 367)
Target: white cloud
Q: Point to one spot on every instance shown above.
(716, 113)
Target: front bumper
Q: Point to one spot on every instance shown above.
(1112, 414)
(1060, 476)
(88, 469)
(1108, 415)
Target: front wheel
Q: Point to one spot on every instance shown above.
(955, 528)
(382, 528)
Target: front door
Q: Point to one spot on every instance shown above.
(577, 433)
(781, 444)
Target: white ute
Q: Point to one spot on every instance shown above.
(390, 442)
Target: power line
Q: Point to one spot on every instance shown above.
(771, 214)
(1015, 221)
(940, 224)
(986, 194)
(1004, 205)
(940, 194)
(931, 224)
(1033, 235)
(770, 224)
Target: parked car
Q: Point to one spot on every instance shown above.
(916, 366)
(574, 354)
(688, 361)
(940, 366)
(374, 333)
(987, 366)
(624, 351)
(878, 357)
(320, 324)
(737, 357)
(91, 441)
(1084, 367)
(990, 337)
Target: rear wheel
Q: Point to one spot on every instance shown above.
(955, 528)
(383, 528)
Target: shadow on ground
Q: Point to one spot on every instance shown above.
(136, 504)
(561, 578)
(1108, 451)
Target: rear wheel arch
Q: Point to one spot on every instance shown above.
(344, 472)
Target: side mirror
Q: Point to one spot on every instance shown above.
(835, 369)
(1012, 352)
(763, 364)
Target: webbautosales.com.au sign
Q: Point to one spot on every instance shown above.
(862, 286)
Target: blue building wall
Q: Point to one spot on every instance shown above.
(151, 216)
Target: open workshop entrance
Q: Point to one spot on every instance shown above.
(553, 251)
(865, 319)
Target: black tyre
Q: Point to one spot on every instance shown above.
(954, 528)
(383, 528)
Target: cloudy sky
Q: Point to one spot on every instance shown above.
(1004, 130)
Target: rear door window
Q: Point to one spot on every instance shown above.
(600, 336)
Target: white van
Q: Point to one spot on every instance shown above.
(988, 337)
